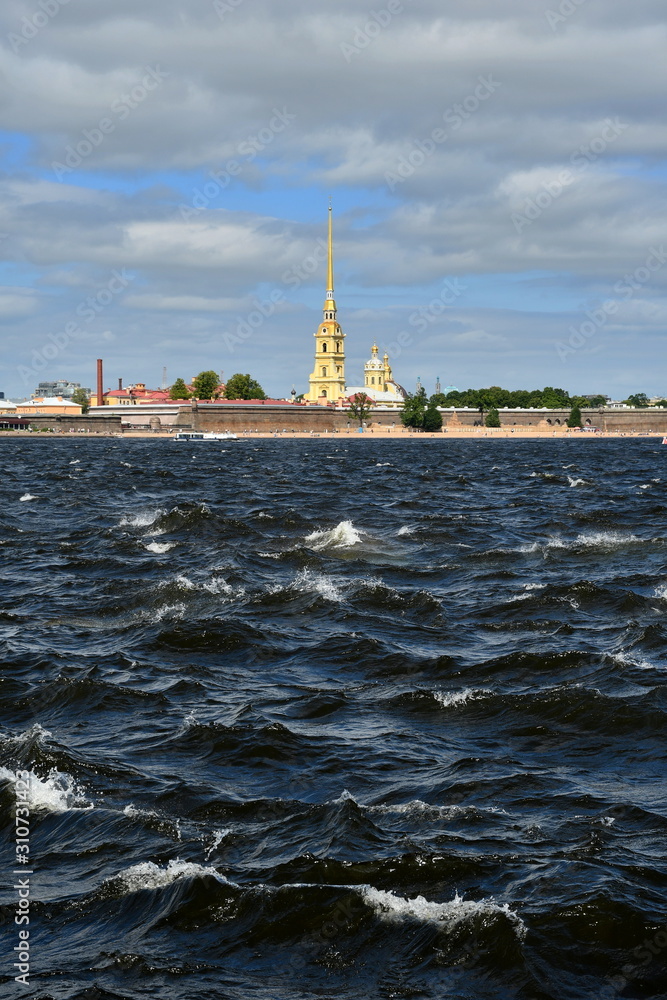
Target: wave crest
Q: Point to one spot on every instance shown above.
(343, 536)
(393, 908)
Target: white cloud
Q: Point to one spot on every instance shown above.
(16, 302)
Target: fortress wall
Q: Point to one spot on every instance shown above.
(322, 419)
(83, 424)
(265, 419)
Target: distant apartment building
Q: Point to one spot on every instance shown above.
(62, 388)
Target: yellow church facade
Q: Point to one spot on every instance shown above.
(379, 383)
(327, 382)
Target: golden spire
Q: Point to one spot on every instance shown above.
(330, 274)
(330, 303)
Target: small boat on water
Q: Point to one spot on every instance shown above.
(196, 436)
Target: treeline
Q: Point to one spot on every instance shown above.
(207, 385)
(496, 398)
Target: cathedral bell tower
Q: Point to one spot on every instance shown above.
(327, 383)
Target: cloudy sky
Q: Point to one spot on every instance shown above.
(497, 172)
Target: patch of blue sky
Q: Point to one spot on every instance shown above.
(16, 150)
(19, 274)
(526, 291)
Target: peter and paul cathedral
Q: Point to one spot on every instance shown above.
(327, 383)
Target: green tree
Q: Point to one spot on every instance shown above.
(494, 397)
(179, 390)
(520, 398)
(574, 420)
(555, 399)
(414, 408)
(81, 397)
(439, 399)
(492, 418)
(432, 418)
(637, 399)
(361, 406)
(205, 385)
(243, 387)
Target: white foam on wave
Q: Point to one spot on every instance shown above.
(148, 875)
(168, 611)
(607, 821)
(136, 813)
(160, 547)
(345, 796)
(218, 837)
(306, 581)
(318, 583)
(215, 585)
(605, 540)
(343, 536)
(133, 812)
(528, 590)
(218, 585)
(37, 733)
(423, 810)
(574, 481)
(449, 698)
(145, 519)
(75, 461)
(625, 660)
(392, 909)
(407, 529)
(26, 497)
(57, 793)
